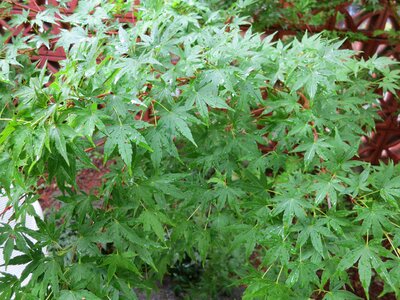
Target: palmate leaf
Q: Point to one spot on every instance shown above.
(311, 149)
(121, 234)
(122, 137)
(368, 257)
(57, 136)
(374, 220)
(314, 233)
(161, 144)
(51, 271)
(327, 189)
(120, 261)
(168, 185)
(176, 122)
(77, 295)
(262, 289)
(246, 236)
(152, 223)
(339, 221)
(302, 273)
(87, 120)
(291, 206)
(340, 295)
(204, 97)
(357, 183)
(278, 253)
(71, 37)
(24, 139)
(224, 193)
(391, 191)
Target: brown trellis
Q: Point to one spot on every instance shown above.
(374, 26)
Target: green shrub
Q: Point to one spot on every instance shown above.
(294, 222)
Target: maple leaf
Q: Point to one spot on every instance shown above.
(123, 137)
(204, 97)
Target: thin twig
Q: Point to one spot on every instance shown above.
(22, 5)
(98, 144)
(328, 199)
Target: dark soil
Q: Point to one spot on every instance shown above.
(374, 291)
(88, 180)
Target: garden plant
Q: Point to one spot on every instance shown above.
(181, 108)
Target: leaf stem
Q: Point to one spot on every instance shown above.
(265, 273)
(18, 120)
(370, 193)
(49, 295)
(279, 275)
(98, 144)
(23, 6)
(208, 216)
(396, 250)
(193, 213)
(328, 199)
(119, 119)
(273, 192)
(159, 103)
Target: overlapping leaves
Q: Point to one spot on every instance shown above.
(192, 180)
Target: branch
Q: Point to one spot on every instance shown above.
(98, 144)
(306, 105)
(15, 3)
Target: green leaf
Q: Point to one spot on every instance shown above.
(290, 206)
(77, 295)
(6, 132)
(203, 240)
(122, 137)
(151, 222)
(350, 259)
(381, 269)
(364, 271)
(123, 261)
(311, 149)
(59, 140)
(391, 190)
(204, 97)
(340, 295)
(7, 250)
(87, 120)
(52, 274)
(374, 219)
(70, 37)
(176, 122)
(226, 188)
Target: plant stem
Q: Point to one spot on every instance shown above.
(18, 120)
(193, 213)
(279, 275)
(396, 251)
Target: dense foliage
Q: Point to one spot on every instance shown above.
(192, 182)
